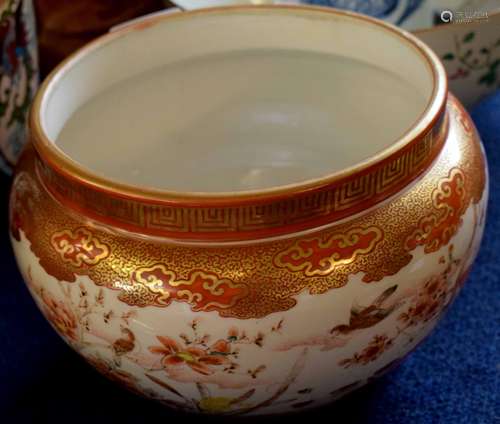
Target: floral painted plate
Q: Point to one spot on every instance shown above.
(470, 51)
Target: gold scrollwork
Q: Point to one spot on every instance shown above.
(318, 256)
(79, 247)
(202, 290)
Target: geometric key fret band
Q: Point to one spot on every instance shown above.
(267, 217)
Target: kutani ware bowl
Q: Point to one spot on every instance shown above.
(248, 210)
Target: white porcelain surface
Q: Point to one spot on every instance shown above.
(241, 121)
(246, 91)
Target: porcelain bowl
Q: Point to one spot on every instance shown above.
(240, 289)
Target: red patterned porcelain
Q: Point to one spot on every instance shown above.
(258, 301)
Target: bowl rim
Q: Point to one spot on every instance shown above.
(72, 170)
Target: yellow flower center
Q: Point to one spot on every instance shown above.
(215, 404)
(186, 356)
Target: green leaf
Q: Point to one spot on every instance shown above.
(449, 56)
(468, 37)
(488, 79)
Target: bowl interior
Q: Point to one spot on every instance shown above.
(236, 100)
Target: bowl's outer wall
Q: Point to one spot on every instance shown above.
(266, 327)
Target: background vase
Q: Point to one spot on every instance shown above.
(18, 76)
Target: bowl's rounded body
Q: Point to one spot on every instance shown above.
(264, 326)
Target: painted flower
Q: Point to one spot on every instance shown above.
(429, 302)
(233, 334)
(197, 358)
(124, 344)
(378, 345)
(60, 316)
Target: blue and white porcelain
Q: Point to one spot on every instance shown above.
(395, 11)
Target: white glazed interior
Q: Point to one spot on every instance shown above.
(297, 142)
